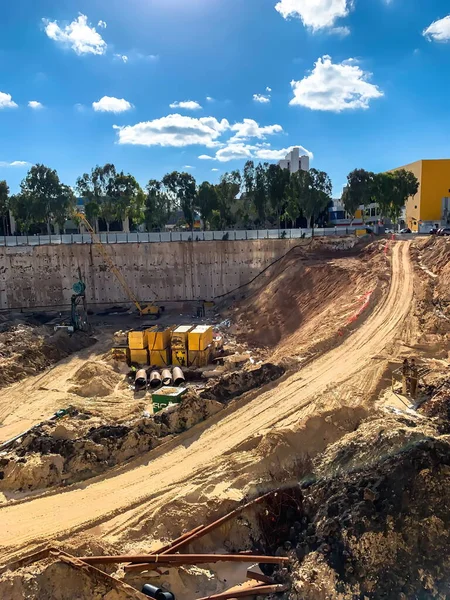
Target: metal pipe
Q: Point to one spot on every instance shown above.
(166, 376)
(248, 592)
(155, 379)
(183, 559)
(178, 376)
(140, 382)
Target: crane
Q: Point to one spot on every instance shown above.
(149, 309)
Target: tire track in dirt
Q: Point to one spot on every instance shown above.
(119, 499)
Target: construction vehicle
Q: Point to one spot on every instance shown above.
(78, 309)
(144, 310)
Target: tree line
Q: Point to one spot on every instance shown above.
(262, 195)
(389, 190)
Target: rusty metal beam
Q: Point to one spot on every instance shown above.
(262, 590)
(187, 559)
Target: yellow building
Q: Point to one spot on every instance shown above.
(426, 208)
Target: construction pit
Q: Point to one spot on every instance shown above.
(293, 467)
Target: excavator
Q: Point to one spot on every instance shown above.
(144, 310)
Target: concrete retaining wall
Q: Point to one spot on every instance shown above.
(43, 276)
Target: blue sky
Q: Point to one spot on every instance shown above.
(356, 84)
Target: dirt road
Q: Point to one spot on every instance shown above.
(117, 500)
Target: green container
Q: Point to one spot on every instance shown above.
(167, 396)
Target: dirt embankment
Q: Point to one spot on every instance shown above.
(306, 300)
(432, 256)
(26, 350)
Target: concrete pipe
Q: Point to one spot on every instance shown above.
(178, 377)
(155, 379)
(166, 377)
(140, 383)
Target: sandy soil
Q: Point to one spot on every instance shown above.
(347, 375)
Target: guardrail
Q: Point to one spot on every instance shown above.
(172, 236)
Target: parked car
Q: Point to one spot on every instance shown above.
(406, 230)
(444, 231)
(434, 230)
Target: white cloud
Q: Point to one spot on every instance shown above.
(110, 104)
(133, 56)
(315, 14)
(14, 163)
(35, 104)
(78, 35)
(261, 98)
(251, 129)
(241, 151)
(174, 130)
(439, 31)
(335, 87)
(209, 99)
(187, 105)
(268, 89)
(215, 170)
(188, 167)
(341, 31)
(101, 24)
(6, 101)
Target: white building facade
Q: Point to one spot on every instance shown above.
(294, 162)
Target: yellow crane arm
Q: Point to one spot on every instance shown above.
(120, 278)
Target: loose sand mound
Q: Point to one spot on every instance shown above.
(95, 379)
(26, 350)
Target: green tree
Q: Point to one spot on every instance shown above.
(49, 200)
(227, 191)
(405, 186)
(315, 193)
(155, 212)
(277, 183)
(98, 187)
(207, 201)
(22, 211)
(260, 193)
(360, 190)
(4, 205)
(182, 189)
(125, 198)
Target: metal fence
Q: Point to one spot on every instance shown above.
(172, 236)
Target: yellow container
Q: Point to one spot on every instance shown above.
(137, 340)
(199, 358)
(160, 358)
(120, 353)
(140, 357)
(158, 340)
(179, 357)
(180, 336)
(200, 338)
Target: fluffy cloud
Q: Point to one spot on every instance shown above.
(122, 57)
(209, 99)
(439, 31)
(174, 130)
(110, 104)
(188, 167)
(315, 14)
(261, 98)
(35, 104)
(251, 129)
(78, 35)
(335, 87)
(133, 57)
(241, 151)
(6, 101)
(101, 24)
(187, 105)
(215, 170)
(15, 163)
